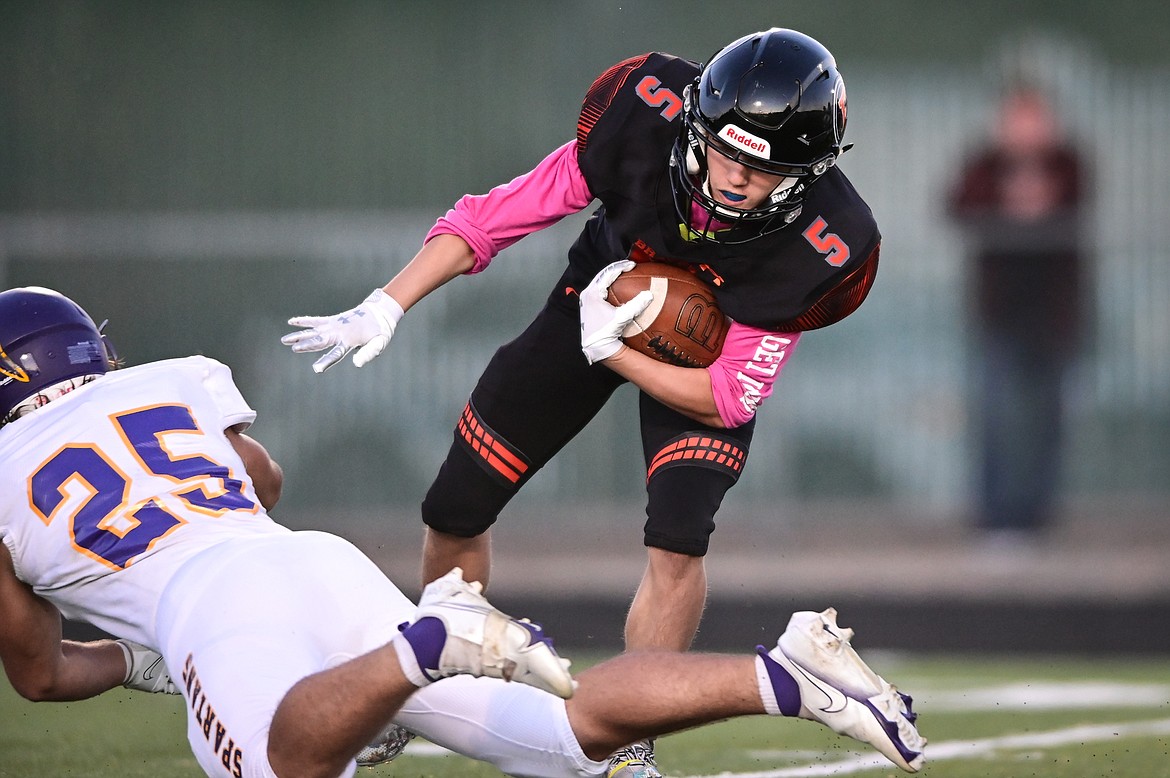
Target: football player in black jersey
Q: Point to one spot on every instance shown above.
(727, 169)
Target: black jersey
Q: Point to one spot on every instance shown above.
(812, 273)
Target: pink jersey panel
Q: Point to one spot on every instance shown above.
(743, 375)
(537, 199)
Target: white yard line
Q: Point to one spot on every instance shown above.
(1020, 696)
(935, 752)
(965, 749)
(1046, 695)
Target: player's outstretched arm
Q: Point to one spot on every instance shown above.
(39, 664)
(366, 328)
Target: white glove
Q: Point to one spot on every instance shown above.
(145, 670)
(601, 322)
(368, 328)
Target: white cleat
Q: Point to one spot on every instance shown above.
(840, 691)
(482, 641)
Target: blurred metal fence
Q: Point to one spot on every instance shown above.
(871, 408)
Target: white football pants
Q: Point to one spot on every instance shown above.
(242, 622)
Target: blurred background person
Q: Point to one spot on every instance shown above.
(1020, 200)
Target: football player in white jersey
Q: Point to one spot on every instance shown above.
(134, 500)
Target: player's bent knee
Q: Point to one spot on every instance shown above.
(462, 501)
(482, 472)
(686, 481)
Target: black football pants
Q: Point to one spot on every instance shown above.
(536, 393)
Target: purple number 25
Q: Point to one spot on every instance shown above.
(103, 523)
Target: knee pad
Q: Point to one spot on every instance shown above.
(713, 451)
(686, 482)
(499, 459)
(481, 474)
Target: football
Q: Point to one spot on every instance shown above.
(683, 325)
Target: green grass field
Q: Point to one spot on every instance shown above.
(986, 717)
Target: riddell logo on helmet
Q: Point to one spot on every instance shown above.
(745, 140)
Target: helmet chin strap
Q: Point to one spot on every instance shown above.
(783, 189)
(694, 148)
(786, 187)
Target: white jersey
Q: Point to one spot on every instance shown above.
(124, 504)
(96, 483)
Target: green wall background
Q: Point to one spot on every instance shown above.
(225, 105)
(386, 112)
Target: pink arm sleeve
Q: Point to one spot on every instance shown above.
(747, 368)
(540, 198)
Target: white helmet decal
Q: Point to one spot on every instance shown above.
(745, 141)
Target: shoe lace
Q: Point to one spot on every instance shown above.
(641, 751)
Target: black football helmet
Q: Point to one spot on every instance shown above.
(773, 101)
(45, 338)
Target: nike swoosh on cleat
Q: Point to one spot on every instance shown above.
(837, 700)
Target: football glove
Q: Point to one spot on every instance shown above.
(367, 328)
(602, 322)
(145, 670)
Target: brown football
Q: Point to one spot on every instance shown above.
(683, 325)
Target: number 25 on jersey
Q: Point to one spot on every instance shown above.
(103, 524)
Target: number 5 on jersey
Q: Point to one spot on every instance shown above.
(828, 243)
